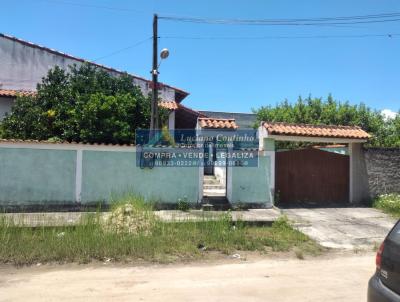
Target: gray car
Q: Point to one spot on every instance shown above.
(384, 286)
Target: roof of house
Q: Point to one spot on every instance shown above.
(315, 130)
(181, 94)
(211, 123)
(243, 120)
(15, 93)
(171, 105)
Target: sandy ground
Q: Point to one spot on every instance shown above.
(329, 278)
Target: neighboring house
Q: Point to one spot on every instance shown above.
(7, 98)
(24, 64)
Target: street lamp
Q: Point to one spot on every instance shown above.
(154, 104)
(164, 53)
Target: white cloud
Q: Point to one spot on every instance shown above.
(388, 114)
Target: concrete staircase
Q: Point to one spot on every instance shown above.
(212, 187)
(214, 194)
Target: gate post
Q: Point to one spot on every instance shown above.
(358, 186)
(267, 145)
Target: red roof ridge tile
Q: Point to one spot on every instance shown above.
(217, 119)
(33, 141)
(15, 92)
(303, 125)
(173, 105)
(310, 130)
(217, 123)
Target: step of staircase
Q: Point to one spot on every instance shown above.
(216, 203)
(211, 180)
(212, 193)
(214, 186)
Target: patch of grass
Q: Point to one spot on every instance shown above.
(92, 239)
(136, 201)
(183, 204)
(389, 203)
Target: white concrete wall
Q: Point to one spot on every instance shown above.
(220, 174)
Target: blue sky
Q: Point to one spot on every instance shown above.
(227, 74)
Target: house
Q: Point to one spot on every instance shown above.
(69, 173)
(318, 175)
(24, 64)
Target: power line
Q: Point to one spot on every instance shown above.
(364, 19)
(122, 49)
(383, 15)
(280, 37)
(320, 21)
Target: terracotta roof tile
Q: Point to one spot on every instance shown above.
(33, 141)
(315, 130)
(212, 123)
(15, 93)
(170, 105)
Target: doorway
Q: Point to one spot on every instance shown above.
(215, 172)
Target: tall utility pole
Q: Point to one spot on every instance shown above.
(154, 72)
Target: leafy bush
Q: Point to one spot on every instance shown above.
(385, 132)
(84, 104)
(183, 204)
(389, 203)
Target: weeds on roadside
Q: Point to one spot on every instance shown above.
(155, 241)
(389, 203)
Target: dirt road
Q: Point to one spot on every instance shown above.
(337, 278)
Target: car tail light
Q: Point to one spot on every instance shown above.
(379, 256)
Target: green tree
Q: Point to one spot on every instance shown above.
(385, 133)
(83, 104)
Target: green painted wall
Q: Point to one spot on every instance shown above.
(32, 176)
(111, 174)
(40, 176)
(252, 184)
